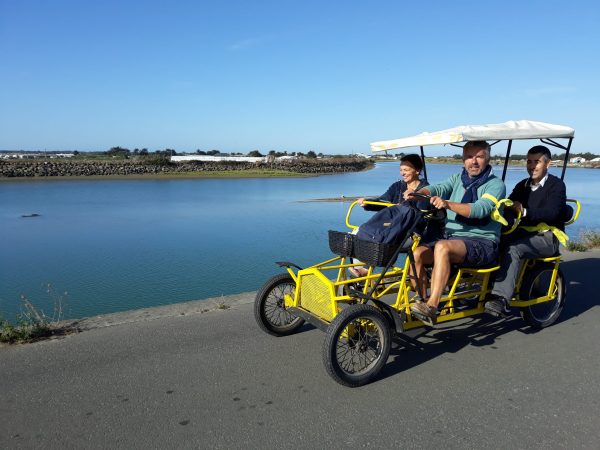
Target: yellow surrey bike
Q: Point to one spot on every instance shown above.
(360, 315)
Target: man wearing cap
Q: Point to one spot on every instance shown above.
(541, 199)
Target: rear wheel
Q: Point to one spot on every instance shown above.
(357, 345)
(535, 284)
(269, 306)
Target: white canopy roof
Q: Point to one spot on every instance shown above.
(514, 129)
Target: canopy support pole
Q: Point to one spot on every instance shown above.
(506, 159)
(424, 168)
(553, 143)
(562, 175)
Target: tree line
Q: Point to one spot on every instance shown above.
(126, 153)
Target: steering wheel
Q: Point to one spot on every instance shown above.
(432, 214)
(419, 196)
(412, 199)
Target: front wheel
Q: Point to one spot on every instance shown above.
(357, 345)
(535, 284)
(269, 306)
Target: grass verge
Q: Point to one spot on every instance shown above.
(33, 325)
(588, 240)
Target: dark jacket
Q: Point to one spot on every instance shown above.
(546, 204)
(394, 194)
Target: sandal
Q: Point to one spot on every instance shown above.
(424, 312)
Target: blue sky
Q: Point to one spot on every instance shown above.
(289, 75)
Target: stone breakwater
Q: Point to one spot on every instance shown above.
(28, 169)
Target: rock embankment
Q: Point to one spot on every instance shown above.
(33, 168)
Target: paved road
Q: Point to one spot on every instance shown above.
(214, 380)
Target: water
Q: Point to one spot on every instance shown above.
(114, 245)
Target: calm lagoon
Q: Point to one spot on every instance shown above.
(114, 245)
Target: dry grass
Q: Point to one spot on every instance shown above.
(588, 239)
(33, 324)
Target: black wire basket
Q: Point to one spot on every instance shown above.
(341, 243)
(373, 253)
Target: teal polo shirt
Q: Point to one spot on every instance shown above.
(453, 190)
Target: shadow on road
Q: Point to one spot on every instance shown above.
(583, 283)
(418, 346)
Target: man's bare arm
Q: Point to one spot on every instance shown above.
(462, 209)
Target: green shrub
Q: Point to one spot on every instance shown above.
(27, 329)
(576, 246)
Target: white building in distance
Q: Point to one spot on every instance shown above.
(181, 158)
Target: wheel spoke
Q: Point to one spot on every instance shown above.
(274, 305)
(361, 348)
(269, 306)
(357, 345)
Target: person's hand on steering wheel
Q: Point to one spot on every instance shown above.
(439, 202)
(414, 197)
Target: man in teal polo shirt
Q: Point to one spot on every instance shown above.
(472, 236)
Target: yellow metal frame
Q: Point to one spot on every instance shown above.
(577, 210)
(515, 225)
(367, 202)
(322, 289)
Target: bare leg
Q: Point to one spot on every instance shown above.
(446, 252)
(423, 255)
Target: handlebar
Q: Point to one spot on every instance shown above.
(366, 202)
(576, 212)
(515, 224)
(415, 196)
(385, 204)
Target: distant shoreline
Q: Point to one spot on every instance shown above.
(22, 170)
(48, 170)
